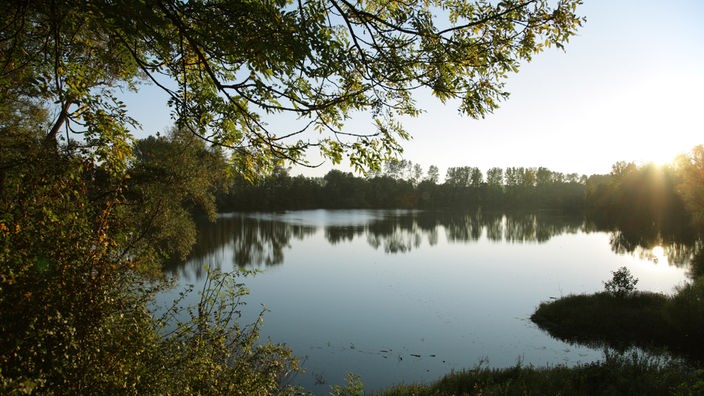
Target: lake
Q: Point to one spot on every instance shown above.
(408, 296)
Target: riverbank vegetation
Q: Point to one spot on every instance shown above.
(81, 264)
(651, 346)
(629, 374)
(650, 321)
(622, 317)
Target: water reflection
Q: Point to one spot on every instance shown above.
(401, 296)
(260, 240)
(680, 249)
(255, 242)
(402, 233)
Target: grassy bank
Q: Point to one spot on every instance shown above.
(615, 375)
(617, 319)
(646, 320)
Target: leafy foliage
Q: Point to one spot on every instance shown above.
(353, 387)
(232, 67)
(172, 179)
(622, 283)
(213, 353)
(69, 325)
(74, 296)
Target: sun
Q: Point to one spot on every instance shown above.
(658, 252)
(660, 153)
(667, 155)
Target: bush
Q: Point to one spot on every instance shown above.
(622, 283)
(74, 301)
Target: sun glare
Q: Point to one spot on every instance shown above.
(658, 153)
(659, 255)
(662, 158)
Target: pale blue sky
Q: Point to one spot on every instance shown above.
(629, 87)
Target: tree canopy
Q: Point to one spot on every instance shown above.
(232, 68)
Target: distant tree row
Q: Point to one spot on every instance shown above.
(402, 184)
(643, 198)
(467, 176)
(336, 190)
(649, 200)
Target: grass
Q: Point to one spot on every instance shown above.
(616, 375)
(651, 321)
(616, 320)
(602, 319)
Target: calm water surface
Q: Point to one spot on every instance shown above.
(403, 296)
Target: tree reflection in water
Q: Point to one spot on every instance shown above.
(254, 242)
(679, 247)
(260, 240)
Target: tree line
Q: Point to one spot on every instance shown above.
(651, 201)
(645, 198)
(176, 177)
(402, 185)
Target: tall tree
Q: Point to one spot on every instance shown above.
(395, 168)
(528, 176)
(543, 177)
(475, 177)
(172, 178)
(457, 176)
(495, 177)
(417, 174)
(512, 177)
(433, 175)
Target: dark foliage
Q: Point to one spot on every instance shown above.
(616, 375)
(339, 190)
(646, 320)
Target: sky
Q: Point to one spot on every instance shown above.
(628, 87)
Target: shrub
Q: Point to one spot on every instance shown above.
(622, 283)
(74, 301)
